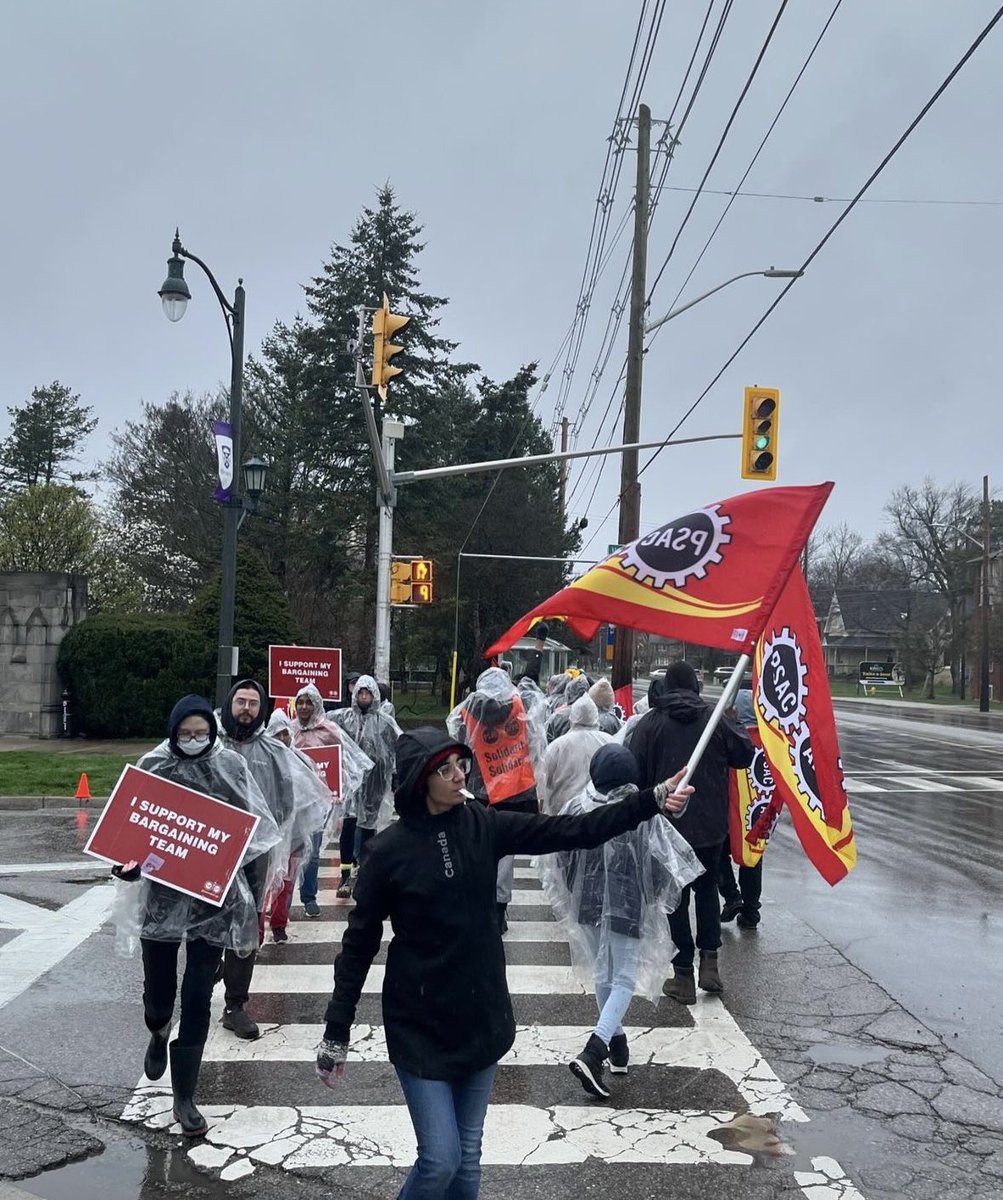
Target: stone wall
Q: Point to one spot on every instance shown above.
(36, 610)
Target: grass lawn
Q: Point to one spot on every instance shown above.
(942, 694)
(36, 773)
(418, 708)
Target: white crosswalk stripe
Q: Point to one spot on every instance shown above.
(293, 1131)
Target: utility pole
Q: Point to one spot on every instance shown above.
(393, 431)
(564, 467)
(630, 489)
(984, 672)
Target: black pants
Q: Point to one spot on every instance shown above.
(346, 842)
(160, 985)
(237, 974)
(749, 888)
(708, 911)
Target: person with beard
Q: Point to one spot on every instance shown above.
(164, 918)
(299, 802)
(375, 732)
(662, 742)
(447, 1012)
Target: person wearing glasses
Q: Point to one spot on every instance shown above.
(447, 1012)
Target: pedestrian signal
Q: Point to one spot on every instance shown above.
(760, 428)
(421, 593)
(385, 325)
(421, 570)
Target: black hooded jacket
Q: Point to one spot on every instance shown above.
(662, 742)
(446, 1007)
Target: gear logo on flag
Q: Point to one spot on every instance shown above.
(803, 762)
(679, 551)
(782, 687)
(762, 776)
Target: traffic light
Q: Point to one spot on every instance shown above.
(421, 581)
(760, 430)
(385, 325)
(400, 582)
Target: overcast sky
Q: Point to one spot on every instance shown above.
(262, 129)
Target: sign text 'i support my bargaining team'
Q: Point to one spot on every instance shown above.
(181, 838)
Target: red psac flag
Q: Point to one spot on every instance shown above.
(753, 807)
(711, 576)
(798, 731)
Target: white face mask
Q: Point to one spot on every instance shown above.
(194, 747)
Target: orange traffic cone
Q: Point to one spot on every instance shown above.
(83, 791)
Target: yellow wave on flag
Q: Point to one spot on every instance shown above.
(610, 580)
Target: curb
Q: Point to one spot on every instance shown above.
(33, 803)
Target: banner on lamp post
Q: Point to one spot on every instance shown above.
(223, 436)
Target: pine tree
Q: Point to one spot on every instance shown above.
(45, 438)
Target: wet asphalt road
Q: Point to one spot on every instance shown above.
(914, 932)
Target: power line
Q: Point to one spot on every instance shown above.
(720, 145)
(833, 199)
(850, 205)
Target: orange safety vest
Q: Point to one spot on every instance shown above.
(502, 753)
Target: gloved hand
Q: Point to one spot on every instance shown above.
(330, 1063)
(127, 872)
(670, 798)
(540, 631)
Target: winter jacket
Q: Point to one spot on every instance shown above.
(446, 1007)
(662, 743)
(605, 700)
(566, 763)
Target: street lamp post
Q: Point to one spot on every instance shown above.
(174, 294)
(772, 273)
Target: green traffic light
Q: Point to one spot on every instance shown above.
(761, 442)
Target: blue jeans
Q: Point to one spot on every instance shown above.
(448, 1120)
(616, 958)
(308, 882)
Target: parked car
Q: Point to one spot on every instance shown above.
(723, 674)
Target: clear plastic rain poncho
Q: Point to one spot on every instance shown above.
(566, 763)
(507, 739)
(150, 910)
(320, 730)
(376, 734)
(556, 686)
(628, 727)
(560, 719)
(626, 886)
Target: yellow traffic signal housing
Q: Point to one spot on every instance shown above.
(400, 582)
(385, 325)
(421, 593)
(760, 429)
(421, 570)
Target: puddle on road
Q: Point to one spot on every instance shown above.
(853, 1054)
(128, 1169)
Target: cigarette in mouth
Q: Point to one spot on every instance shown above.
(468, 795)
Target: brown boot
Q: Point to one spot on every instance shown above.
(710, 978)
(682, 987)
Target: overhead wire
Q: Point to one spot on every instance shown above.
(838, 199)
(820, 245)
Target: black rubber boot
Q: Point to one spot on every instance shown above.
(682, 987)
(709, 977)
(155, 1062)
(588, 1067)
(185, 1064)
(619, 1054)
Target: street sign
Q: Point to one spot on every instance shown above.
(878, 672)
(610, 641)
(293, 667)
(181, 838)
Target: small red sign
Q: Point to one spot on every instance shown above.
(181, 838)
(293, 667)
(328, 758)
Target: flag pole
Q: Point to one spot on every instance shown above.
(728, 693)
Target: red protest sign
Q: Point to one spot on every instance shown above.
(293, 667)
(181, 838)
(328, 758)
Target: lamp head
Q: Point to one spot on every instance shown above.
(255, 471)
(174, 293)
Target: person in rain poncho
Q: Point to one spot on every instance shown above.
(298, 800)
(507, 748)
(603, 695)
(555, 690)
(163, 918)
(626, 731)
(612, 900)
(566, 762)
(314, 728)
(376, 734)
(560, 719)
(446, 1009)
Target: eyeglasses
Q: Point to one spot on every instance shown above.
(445, 770)
(185, 736)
